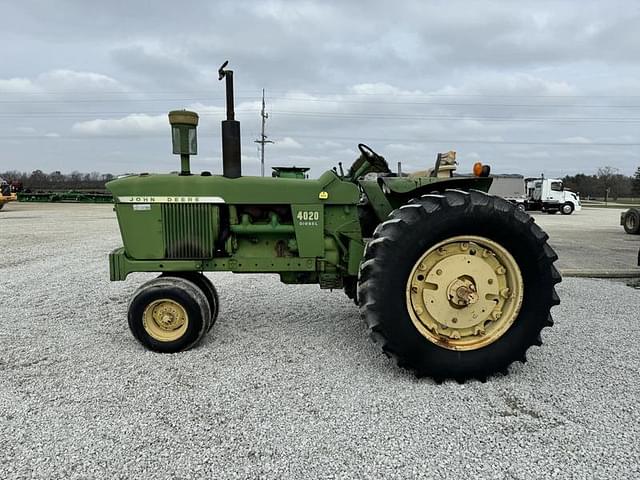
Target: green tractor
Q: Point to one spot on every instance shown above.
(452, 282)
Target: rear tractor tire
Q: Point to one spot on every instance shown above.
(632, 221)
(169, 314)
(458, 285)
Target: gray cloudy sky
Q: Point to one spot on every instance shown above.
(527, 87)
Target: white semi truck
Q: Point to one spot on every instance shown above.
(549, 195)
(546, 194)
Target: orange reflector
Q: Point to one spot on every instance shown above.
(477, 169)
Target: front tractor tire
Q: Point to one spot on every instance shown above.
(169, 314)
(458, 285)
(207, 287)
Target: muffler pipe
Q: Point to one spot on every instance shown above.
(231, 155)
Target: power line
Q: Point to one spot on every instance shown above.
(331, 137)
(343, 115)
(470, 141)
(449, 104)
(455, 117)
(325, 100)
(210, 93)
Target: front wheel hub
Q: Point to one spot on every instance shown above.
(165, 320)
(464, 293)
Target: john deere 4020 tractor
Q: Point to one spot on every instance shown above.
(452, 282)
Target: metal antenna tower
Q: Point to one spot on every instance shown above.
(263, 137)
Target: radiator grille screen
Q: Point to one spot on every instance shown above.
(189, 230)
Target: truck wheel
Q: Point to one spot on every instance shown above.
(521, 206)
(567, 208)
(632, 221)
(458, 285)
(169, 314)
(207, 288)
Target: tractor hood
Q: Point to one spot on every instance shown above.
(170, 188)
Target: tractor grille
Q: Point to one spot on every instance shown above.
(189, 230)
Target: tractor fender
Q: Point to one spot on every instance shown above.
(411, 187)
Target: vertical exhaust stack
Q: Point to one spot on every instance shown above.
(231, 166)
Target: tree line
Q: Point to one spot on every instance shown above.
(57, 181)
(607, 182)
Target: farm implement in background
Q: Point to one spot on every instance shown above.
(66, 197)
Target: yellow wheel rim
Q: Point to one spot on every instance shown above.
(165, 320)
(464, 293)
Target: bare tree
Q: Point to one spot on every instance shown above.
(635, 189)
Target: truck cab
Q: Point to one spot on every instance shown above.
(549, 195)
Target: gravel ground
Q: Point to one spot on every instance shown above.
(288, 384)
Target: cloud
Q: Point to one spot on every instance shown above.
(287, 143)
(330, 144)
(73, 81)
(402, 148)
(17, 85)
(335, 74)
(578, 140)
(26, 130)
(285, 12)
(62, 81)
(131, 125)
(500, 84)
(381, 88)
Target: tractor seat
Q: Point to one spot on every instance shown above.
(444, 167)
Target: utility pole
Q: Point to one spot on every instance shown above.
(263, 137)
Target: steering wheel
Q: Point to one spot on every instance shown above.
(367, 151)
